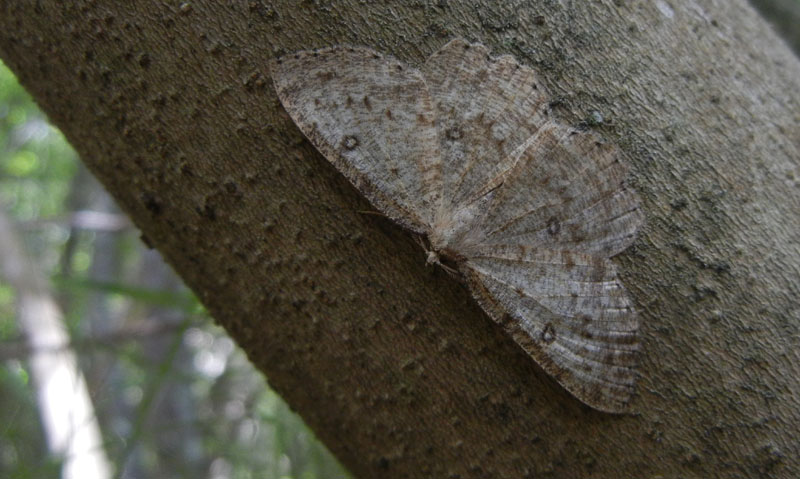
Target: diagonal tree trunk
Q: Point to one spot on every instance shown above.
(392, 363)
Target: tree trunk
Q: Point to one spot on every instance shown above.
(390, 362)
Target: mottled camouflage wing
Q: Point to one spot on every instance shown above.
(487, 108)
(532, 209)
(374, 120)
(537, 259)
(569, 311)
(566, 192)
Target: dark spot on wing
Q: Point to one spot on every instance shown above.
(548, 334)
(569, 261)
(454, 133)
(584, 331)
(553, 226)
(367, 103)
(349, 142)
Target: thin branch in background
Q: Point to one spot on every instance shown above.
(83, 220)
(20, 349)
(148, 401)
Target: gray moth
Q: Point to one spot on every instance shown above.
(528, 210)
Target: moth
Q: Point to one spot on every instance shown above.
(464, 151)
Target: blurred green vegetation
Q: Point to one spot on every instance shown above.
(173, 394)
(784, 15)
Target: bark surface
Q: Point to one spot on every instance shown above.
(392, 363)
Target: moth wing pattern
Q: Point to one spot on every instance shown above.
(371, 117)
(541, 260)
(569, 311)
(536, 208)
(566, 191)
(487, 108)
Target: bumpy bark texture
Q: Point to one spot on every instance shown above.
(391, 362)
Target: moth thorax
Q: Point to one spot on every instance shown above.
(443, 234)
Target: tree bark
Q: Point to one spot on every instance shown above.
(392, 364)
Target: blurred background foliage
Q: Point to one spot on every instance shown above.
(173, 395)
